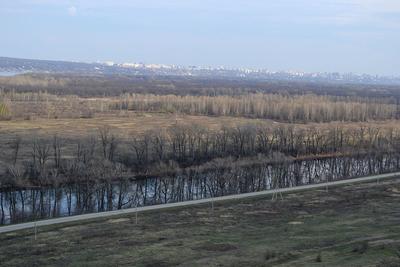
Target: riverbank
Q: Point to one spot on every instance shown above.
(352, 225)
(81, 198)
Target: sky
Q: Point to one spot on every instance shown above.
(359, 36)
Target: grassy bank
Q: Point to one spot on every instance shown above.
(348, 226)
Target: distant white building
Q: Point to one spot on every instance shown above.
(132, 65)
(109, 63)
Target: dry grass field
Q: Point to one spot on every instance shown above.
(126, 125)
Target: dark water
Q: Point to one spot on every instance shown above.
(27, 205)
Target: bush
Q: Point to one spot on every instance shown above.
(270, 254)
(319, 257)
(361, 248)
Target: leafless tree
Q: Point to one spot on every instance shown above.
(57, 148)
(16, 143)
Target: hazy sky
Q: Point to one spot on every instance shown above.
(361, 36)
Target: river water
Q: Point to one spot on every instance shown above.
(33, 204)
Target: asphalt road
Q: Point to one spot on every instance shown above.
(15, 227)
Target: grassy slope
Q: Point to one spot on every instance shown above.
(349, 226)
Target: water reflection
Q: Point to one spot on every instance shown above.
(27, 205)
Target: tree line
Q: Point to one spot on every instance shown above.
(106, 156)
(280, 107)
(286, 108)
(115, 85)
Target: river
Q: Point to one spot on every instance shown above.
(33, 204)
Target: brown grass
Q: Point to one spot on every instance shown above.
(349, 226)
(126, 125)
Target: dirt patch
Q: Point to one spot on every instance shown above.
(71, 228)
(394, 190)
(295, 223)
(227, 216)
(118, 220)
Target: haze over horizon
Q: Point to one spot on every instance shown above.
(359, 36)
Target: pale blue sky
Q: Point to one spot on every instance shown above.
(361, 36)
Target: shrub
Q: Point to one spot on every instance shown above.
(270, 254)
(361, 248)
(319, 257)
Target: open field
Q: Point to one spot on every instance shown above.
(354, 225)
(124, 125)
(128, 125)
(137, 123)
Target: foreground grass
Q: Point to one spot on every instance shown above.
(355, 225)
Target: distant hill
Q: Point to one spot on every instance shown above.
(18, 65)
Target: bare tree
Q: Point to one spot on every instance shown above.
(104, 133)
(158, 143)
(57, 148)
(40, 155)
(16, 143)
(141, 149)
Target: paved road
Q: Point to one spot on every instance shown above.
(15, 227)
